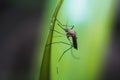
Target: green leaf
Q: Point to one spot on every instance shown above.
(45, 67)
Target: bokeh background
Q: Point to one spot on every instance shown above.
(19, 25)
(24, 27)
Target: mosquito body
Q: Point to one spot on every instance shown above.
(70, 33)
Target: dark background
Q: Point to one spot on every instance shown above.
(112, 67)
(19, 24)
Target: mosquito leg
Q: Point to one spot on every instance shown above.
(70, 43)
(57, 36)
(61, 58)
(61, 25)
(72, 51)
(59, 22)
(60, 42)
(69, 40)
(64, 53)
(74, 55)
(66, 26)
(58, 32)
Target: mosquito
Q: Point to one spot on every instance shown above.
(70, 33)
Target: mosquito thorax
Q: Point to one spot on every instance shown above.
(71, 33)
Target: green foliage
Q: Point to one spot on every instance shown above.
(45, 67)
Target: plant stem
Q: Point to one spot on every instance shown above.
(45, 66)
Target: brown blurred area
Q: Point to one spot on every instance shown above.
(19, 24)
(112, 66)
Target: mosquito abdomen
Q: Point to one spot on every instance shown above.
(74, 39)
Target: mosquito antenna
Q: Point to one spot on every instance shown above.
(72, 27)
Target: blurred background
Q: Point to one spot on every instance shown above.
(112, 67)
(19, 24)
(20, 32)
